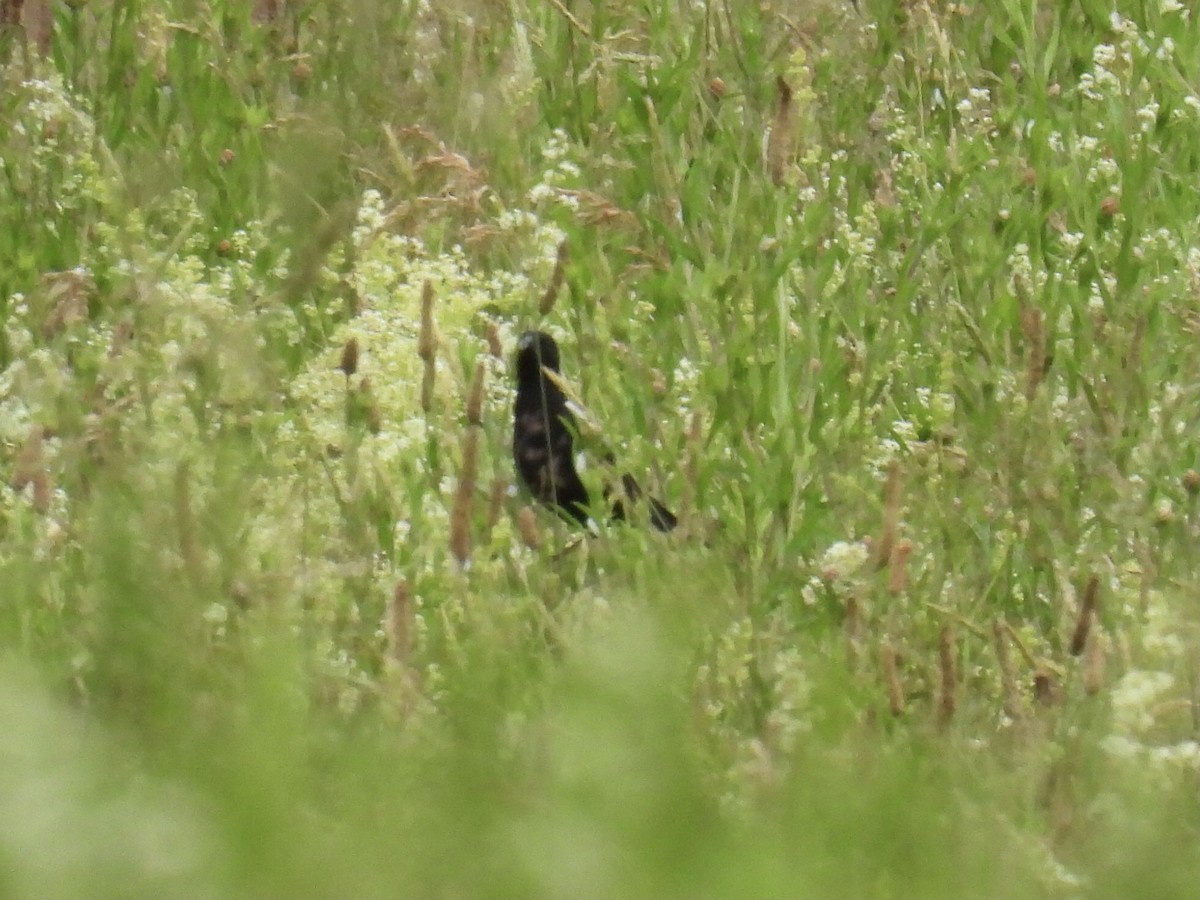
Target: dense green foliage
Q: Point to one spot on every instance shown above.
(896, 303)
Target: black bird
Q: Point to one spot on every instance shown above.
(544, 440)
(543, 430)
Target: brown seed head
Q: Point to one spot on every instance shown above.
(527, 526)
(428, 381)
(464, 496)
(946, 676)
(400, 624)
(493, 341)
(1008, 685)
(374, 418)
(475, 396)
(891, 678)
(891, 517)
(349, 361)
(1093, 665)
(1087, 612)
(556, 280)
(10, 12)
(496, 501)
(1033, 324)
(265, 11)
(427, 341)
(897, 571)
(1045, 687)
(779, 144)
(717, 88)
(1191, 481)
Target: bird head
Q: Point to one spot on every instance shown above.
(536, 350)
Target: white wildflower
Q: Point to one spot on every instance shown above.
(1134, 697)
(843, 559)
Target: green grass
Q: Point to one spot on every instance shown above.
(240, 657)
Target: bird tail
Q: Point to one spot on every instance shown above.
(660, 517)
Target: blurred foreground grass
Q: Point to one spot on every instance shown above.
(896, 304)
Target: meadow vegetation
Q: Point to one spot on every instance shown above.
(896, 304)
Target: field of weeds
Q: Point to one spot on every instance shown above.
(897, 306)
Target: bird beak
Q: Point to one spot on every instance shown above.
(526, 340)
